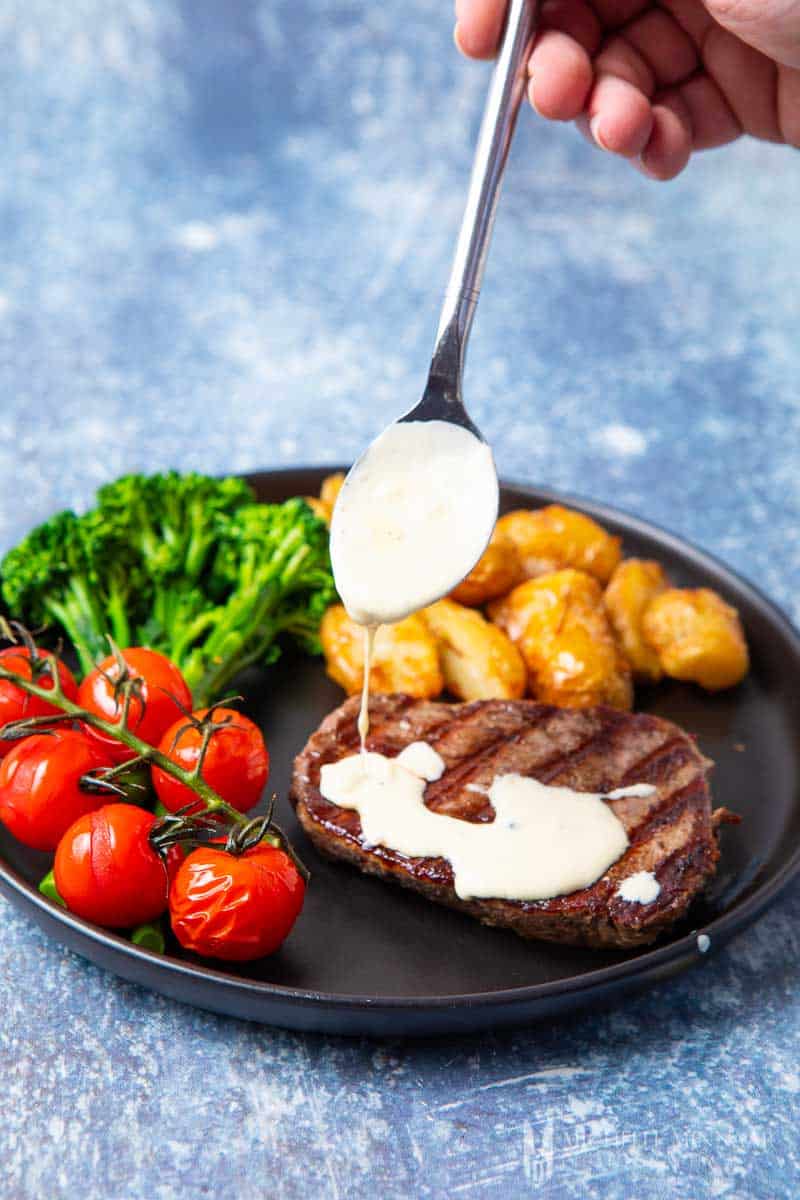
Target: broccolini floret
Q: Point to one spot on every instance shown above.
(186, 564)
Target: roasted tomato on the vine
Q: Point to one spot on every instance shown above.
(236, 763)
(40, 786)
(163, 692)
(17, 705)
(173, 859)
(106, 871)
(235, 907)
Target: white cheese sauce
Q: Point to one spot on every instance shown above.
(641, 888)
(412, 519)
(363, 712)
(543, 842)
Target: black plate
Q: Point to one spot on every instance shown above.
(366, 957)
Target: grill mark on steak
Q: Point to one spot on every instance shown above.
(671, 833)
(522, 752)
(527, 751)
(643, 764)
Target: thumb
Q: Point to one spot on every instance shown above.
(771, 26)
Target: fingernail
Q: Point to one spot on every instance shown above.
(457, 38)
(594, 129)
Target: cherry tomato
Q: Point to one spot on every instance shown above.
(16, 705)
(176, 854)
(236, 764)
(173, 859)
(163, 690)
(40, 790)
(235, 907)
(106, 871)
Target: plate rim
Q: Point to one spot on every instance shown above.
(645, 968)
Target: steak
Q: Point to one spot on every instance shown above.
(672, 832)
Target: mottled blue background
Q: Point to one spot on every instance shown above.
(224, 231)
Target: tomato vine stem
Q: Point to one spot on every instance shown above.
(183, 826)
(143, 750)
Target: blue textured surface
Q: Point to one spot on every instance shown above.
(224, 233)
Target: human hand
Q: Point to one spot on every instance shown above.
(654, 80)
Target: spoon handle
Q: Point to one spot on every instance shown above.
(499, 118)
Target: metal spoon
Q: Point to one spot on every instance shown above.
(442, 398)
(397, 541)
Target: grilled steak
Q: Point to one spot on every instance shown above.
(671, 832)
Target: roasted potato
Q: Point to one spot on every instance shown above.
(548, 539)
(697, 637)
(405, 656)
(318, 508)
(323, 504)
(560, 625)
(478, 660)
(513, 612)
(331, 486)
(633, 585)
(496, 572)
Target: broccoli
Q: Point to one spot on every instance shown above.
(188, 565)
(66, 573)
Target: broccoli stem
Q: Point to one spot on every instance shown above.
(48, 888)
(118, 615)
(75, 620)
(182, 640)
(247, 627)
(214, 681)
(149, 936)
(199, 542)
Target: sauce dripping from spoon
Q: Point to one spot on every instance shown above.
(411, 520)
(363, 712)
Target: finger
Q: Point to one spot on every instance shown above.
(747, 80)
(669, 146)
(614, 14)
(561, 76)
(575, 17)
(789, 105)
(692, 17)
(713, 122)
(620, 116)
(666, 48)
(622, 60)
(770, 28)
(479, 24)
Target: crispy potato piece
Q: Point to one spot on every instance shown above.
(560, 625)
(331, 486)
(513, 612)
(318, 508)
(697, 637)
(496, 572)
(405, 659)
(323, 505)
(633, 585)
(479, 662)
(548, 539)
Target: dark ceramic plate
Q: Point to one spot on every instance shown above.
(368, 958)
